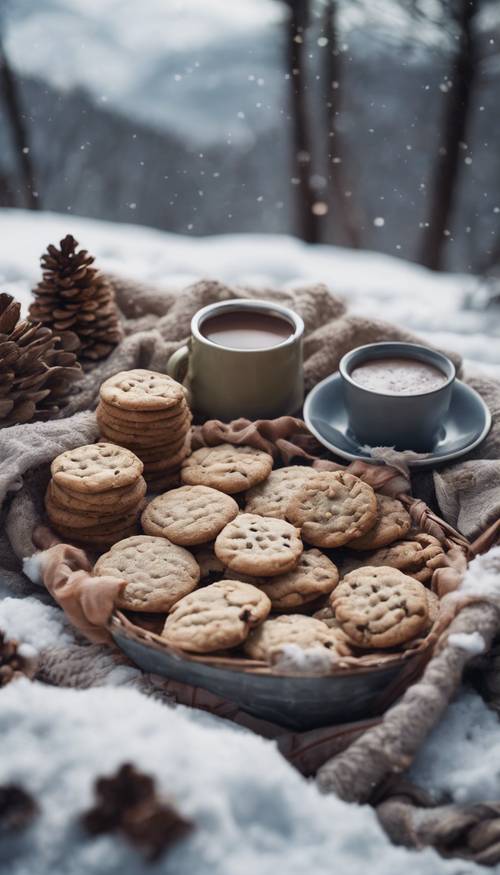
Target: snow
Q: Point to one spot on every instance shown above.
(291, 658)
(471, 642)
(253, 811)
(38, 625)
(452, 765)
(436, 305)
(32, 568)
(482, 577)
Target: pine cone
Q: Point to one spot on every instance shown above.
(75, 297)
(17, 808)
(35, 374)
(15, 660)
(127, 802)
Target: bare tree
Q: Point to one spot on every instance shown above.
(338, 176)
(310, 218)
(454, 130)
(19, 131)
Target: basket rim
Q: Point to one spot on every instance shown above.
(345, 667)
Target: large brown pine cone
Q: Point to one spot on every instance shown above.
(35, 372)
(75, 297)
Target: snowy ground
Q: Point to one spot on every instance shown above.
(439, 306)
(253, 812)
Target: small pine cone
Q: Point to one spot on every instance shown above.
(75, 298)
(35, 376)
(17, 808)
(128, 802)
(15, 659)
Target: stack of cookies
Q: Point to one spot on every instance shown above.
(147, 412)
(96, 494)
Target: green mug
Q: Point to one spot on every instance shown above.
(227, 382)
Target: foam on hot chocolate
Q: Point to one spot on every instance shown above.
(398, 376)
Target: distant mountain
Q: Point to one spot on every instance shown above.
(177, 115)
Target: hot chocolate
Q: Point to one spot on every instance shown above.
(398, 376)
(243, 329)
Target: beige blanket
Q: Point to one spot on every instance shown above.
(466, 494)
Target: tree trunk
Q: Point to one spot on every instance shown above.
(447, 167)
(309, 217)
(346, 217)
(19, 131)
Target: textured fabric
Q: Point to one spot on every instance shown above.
(156, 323)
(468, 492)
(389, 748)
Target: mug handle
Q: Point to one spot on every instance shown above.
(176, 362)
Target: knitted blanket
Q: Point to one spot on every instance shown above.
(465, 494)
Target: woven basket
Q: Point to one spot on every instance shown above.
(354, 689)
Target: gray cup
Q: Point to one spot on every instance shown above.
(406, 422)
(227, 383)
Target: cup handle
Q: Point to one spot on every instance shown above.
(176, 361)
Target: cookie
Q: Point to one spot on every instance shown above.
(96, 538)
(257, 545)
(155, 418)
(272, 497)
(418, 556)
(146, 437)
(108, 528)
(78, 519)
(157, 572)
(305, 632)
(148, 441)
(332, 508)
(218, 616)
(189, 515)
(379, 607)
(208, 562)
(392, 523)
(115, 501)
(128, 423)
(169, 460)
(433, 614)
(432, 607)
(142, 390)
(227, 468)
(326, 615)
(314, 575)
(159, 454)
(96, 468)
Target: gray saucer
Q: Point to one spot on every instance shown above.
(467, 423)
